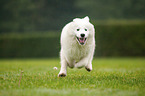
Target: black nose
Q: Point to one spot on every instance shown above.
(82, 35)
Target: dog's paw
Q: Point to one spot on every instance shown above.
(88, 69)
(61, 75)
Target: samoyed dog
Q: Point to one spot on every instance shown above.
(77, 45)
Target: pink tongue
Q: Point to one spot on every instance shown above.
(82, 40)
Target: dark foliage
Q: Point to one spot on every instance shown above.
(43, 15)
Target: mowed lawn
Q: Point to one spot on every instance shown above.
(109, 77)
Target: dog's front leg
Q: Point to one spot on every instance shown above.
(89, 67)
(63, 69)
(89, 64)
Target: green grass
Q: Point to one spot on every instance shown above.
(110, 77)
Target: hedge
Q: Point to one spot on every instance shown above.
(29, 47)
(111, 40)
(120, 40)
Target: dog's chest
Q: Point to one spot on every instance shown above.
(78, 52)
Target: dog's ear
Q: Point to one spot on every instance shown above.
(87, 18)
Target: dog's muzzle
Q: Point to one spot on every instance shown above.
(81, 40)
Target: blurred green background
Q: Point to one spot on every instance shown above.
(32, 28)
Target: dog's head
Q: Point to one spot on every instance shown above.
(82, 29)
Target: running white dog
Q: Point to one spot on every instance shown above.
(77, 45)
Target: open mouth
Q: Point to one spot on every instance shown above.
(81, 40)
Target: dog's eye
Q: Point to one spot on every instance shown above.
(78, 29)
(85, 29)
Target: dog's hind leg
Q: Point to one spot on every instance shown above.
(83, 62)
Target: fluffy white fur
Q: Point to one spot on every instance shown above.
(77, 50)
